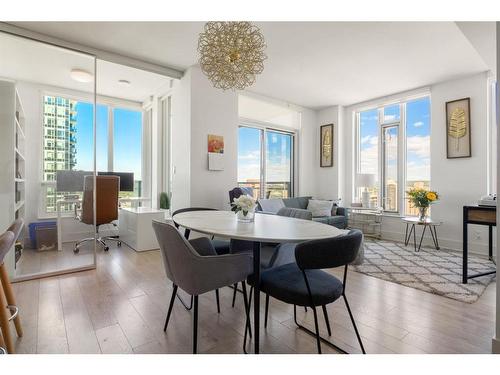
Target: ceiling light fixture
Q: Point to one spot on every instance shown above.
(81, 75)
(124, 82)
(231, 54)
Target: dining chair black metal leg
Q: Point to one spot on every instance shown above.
(217, 299)
(186, 306)
(354, 324)
(171, 305)
(195, 325)
(247, 324)
(235, 286)
(245, 302)
(327, 321)
(316, 327)
(312, 333)
(267, 311)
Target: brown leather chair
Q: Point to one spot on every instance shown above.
(107, 188)
(8, 308)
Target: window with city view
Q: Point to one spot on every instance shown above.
(68, 143)
(381, 132)
(265, 162)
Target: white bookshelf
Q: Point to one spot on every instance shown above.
(13, 162)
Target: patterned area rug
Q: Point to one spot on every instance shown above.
(430, 270)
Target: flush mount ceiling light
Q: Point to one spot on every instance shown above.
(81, 75)
(231, 54)
(124, 82)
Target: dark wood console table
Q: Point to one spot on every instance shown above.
(480, 215)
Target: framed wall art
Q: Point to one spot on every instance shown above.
(458, 129)
(216, 144)
(326, 145)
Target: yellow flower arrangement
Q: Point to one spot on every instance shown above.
(421, 198)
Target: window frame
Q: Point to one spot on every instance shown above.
(263, 128)
(402, 148)
(111, 104)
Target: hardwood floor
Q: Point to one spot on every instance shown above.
(121, 308)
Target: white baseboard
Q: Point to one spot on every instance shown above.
(495, 345)
(444, 243)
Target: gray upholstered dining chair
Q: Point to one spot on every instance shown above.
(220, 246)
(304, 283)
(197, 274)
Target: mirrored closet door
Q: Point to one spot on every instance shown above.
(48, 117)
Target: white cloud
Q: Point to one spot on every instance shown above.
(248, 171)
(418, 124)
(419, 171)
(250, 156)
(419, 145)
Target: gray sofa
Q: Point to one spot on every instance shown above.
(338, 218)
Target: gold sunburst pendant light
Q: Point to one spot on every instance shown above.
(231, 54)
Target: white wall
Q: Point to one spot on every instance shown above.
(330, 179)
(213, 111)
(181, 142)
(458, 181)
(307, 154)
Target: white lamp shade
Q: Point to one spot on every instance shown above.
(365, 180)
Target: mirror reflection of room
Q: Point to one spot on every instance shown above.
(55, 157)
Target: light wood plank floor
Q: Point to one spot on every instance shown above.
(121, 307)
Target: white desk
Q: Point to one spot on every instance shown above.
(136, 229)
(266, 228)
(134, 200)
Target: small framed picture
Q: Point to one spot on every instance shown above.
(458, 129)
(326, 146)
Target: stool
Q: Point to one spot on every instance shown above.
(8, 308)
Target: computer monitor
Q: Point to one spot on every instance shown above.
(126, 179)
(70, 181)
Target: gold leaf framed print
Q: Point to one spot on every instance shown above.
(326, 146)
(458, 139)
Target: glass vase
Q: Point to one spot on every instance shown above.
(422, 213)
(245, 216)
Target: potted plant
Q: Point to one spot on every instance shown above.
(422, 199)
(165, 201)
(244, 207)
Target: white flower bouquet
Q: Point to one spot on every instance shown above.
(244, 207)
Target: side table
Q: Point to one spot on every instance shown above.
(412, 222)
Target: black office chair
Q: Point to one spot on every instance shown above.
(304, 283)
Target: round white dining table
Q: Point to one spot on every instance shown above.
(265, 228)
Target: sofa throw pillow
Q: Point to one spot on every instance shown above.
(320, 208)
(271, 205)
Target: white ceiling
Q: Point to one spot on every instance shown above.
(30, 61)
(310, 64)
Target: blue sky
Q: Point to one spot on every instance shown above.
(127, 141)
(278, 155)
(417, 139)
